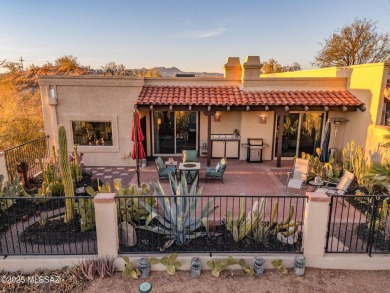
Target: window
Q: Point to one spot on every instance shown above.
(386, 112)
(92, 133)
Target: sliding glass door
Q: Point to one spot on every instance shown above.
(301, 133)
(174, 131)
(310, 132)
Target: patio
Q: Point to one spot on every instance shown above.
(262, 179)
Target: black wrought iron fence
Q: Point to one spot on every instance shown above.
(358, 224)
(36, 226)
(26, 155)
(211, 224)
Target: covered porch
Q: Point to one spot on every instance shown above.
(255, 114)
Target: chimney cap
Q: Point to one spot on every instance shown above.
(252, 60)
(233, 62)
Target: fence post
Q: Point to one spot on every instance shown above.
(3, 167)
(315, 228)
(106, 224)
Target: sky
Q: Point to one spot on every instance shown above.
(191, 35)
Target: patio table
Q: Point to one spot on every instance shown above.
(315, 185)
(191, 170)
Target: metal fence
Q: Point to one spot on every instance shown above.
(35, 226)
(358, 224)
(210, 224)
(28, 153)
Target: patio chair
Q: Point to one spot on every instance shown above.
(341, 187)
(163, 172)
(298, 177)
(190, 156)
(216, 172)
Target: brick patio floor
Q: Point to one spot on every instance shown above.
(240, 177)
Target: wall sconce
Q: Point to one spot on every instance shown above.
(158, 121)
(263, 119)
(217, 117)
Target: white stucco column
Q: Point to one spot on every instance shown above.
(106, 224)
(315, 226)
(3, 167)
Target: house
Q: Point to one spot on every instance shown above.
(202, 113)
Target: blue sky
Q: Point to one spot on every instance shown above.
(192, 35)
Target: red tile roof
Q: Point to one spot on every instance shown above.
(234, 96)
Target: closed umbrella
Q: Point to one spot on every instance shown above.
(138, 152)
(324, 157)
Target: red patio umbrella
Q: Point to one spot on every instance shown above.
(138, 152)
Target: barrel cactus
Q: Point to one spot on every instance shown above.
(66, 174)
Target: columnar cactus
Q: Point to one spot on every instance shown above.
(66, 173)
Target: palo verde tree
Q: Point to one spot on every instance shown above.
(357, 43)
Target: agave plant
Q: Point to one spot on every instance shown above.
(179, 218)
(379, 174)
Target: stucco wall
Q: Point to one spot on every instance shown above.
(252, 128)
(93, 99)
(112, 98)
(366, 82)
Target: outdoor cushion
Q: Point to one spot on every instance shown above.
(216, 172)
(166, 171)
(213, 173)
(189, 156)
(160, 163)
(295, 183)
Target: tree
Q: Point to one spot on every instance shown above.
(293, 67)
(357, 43)
(20, 112)
(273, 66)
(67, 63)
(11, 66)
(111, 68)
(143, 72)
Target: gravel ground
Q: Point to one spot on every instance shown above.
(315, 280)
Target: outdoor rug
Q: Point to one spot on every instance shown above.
(280, 174)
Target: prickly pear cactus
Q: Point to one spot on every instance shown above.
(10, 189)
(217, 266)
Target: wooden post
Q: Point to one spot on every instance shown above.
(280, 139)
(208, 140)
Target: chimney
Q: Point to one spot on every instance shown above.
(232, 68)
(251, 68)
